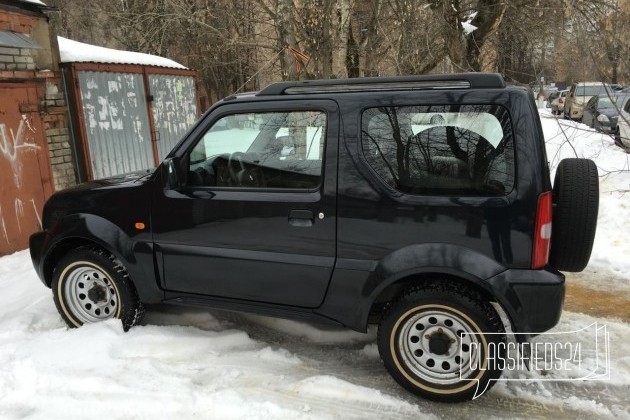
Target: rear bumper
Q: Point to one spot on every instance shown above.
(37, 245)
(533, 299)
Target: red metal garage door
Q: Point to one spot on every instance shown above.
(25, 179)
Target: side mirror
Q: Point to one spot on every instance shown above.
(172, 173)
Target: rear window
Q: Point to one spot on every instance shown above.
(441, 150)
(591, 90)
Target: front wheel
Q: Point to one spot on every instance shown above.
(618, 138)
(439, 339)
(90, 285)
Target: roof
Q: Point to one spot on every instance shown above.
(79, 52)
(418, 82)
(30, 5)
(38, 2)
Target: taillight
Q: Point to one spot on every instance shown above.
(542, 234)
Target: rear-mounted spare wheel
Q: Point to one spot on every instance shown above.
(576, 201)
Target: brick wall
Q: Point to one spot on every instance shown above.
(16, 21)
(56, 124)
(23, 64)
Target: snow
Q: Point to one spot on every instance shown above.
(567, 139)
(468, 28)
(78, 52)
(185, 363)
(467, 24)
(192, 363)
(34, 2)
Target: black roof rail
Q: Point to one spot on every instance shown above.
(429, 81)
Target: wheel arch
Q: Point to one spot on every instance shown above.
(89, 230)
(61, 248)
(357, 289)
(399, 285)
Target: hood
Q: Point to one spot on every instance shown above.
(118, 180)
(609, 112)
(102, 197)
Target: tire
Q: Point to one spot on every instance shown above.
(441, 310)
(90, 285)
(618, 138)
(576, 203)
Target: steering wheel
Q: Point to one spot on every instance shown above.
(242, 174)
(236, 167)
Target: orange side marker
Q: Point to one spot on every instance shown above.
(140, 226)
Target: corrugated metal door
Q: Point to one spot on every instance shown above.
(24, 166)
(116, 123)
(174, 109)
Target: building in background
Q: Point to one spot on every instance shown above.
(35, 145)
(129, 109)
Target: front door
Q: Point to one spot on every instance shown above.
(256, 219)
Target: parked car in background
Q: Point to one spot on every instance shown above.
(551, 97)
(601, 111)
(579, 95)
(557, 103)
(622, 132)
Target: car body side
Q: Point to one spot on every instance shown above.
(623, 124)
(384, 239)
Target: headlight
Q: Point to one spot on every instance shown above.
(602, 118)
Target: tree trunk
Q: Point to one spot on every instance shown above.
(340, 67)
(285, 27)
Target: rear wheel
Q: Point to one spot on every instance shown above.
(438, 339)
(90, 285)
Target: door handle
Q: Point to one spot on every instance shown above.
(301, 218)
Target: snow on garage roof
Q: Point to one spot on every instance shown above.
(41, 3)
(78, 52)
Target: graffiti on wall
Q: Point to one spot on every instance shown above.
(12, 143)
(19, 216)
(12, 146)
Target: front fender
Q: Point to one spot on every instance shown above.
(134, 250)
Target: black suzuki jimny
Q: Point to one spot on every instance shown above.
(423, 204)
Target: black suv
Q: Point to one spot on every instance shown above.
(420, 203)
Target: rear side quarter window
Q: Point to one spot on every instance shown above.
(441, 150)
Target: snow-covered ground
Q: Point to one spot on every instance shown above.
(184, 363)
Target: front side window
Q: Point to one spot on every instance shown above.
(261, 150)
(441, 150)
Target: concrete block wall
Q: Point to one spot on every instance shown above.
(16, 59)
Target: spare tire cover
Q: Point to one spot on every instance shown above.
(576, 202)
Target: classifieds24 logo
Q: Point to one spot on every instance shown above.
(577, 355)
